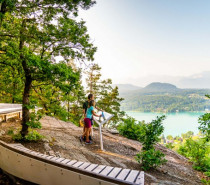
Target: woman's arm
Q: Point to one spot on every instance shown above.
(95, 114)
(84, 114)
(98, 108)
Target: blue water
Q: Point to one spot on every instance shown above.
(175, 123)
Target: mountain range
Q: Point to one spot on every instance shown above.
(162, 97)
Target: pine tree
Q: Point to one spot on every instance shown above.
(110, 102)
(107, 97)
(93, 80)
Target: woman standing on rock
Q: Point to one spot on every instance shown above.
(85, 107)
(89, 114)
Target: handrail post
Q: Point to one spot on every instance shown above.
(101, 139)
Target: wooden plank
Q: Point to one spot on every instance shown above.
(79, 163)
(140, 179)
(99, 168)
(34, 153)
(54, 158)
(44, 156)
(123, 174)
(106, 170)
(39, 154)
(84, 165)
(71, 162)
(115, 172)
(91, 167)
(65, 161)
(49, 157)
(60, 159)
(132, 176)
(22, 148)
(16, 144)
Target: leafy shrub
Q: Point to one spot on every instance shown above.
(150, 158)
(130, 128)
(33, 135)
(204, 127)
(197, 152)
(169, 145)
(206, 182)
(10, 132)
(151, 133)
(17, 137)
(207, 173)
(34, 120)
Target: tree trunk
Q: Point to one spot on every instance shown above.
(26, 103)
(28, 83)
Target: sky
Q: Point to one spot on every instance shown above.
(141, 41)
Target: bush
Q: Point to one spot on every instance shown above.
(151, 133)
(169, 145)
(34, 120)
(197, 152)
(204, 127)
(151, 158)
(206, 182)
(17, 137)
(10, 132)
(33, 135)
(130, 128)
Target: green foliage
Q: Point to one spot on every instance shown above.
(17, 137)
(110, 102)
(168, 101)
(197, 152)
(151, 133)
(107, 97)
(207, 174)
(30, 45)
(204, 127)
(206, 182)
(170, 137)
(93, 80)
(33, 135)
(150, 158)
(34, 120)
(187, 135)
(169, 145)
(130, 128)
(10, 132)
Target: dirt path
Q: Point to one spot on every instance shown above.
(62, 139)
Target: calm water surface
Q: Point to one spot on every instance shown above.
(175, 123)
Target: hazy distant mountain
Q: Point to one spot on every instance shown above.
(160, 87)
(165, 97)
(200, 80)
(123, 88)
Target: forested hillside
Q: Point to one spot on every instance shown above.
(163, 97)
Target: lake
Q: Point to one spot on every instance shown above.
(175, 123)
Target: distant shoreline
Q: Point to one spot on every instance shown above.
(168, 112)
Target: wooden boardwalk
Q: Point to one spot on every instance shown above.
(8, 110)
(44, 169)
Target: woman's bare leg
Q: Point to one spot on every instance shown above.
(87, 134)
(85, 131)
